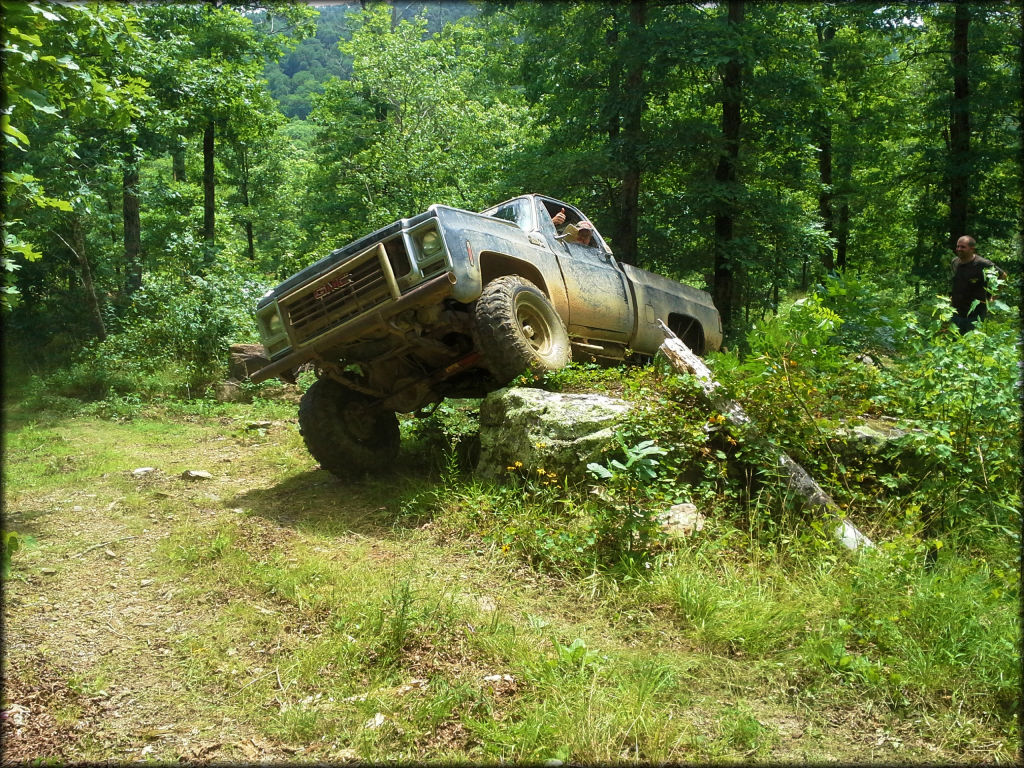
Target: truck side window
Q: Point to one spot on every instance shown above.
(515, 212)
(549, 209)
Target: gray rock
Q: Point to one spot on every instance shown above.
(682, 520)
(196, 474)
(142, 471)
(872, 437)
(230, 391)
(560, 433)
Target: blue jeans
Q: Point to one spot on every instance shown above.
(965, 323)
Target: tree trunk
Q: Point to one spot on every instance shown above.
(611, 39)
(725, 173)
(843, 220)
(245, 202)
(77, 247)
(959, 128)
(178, 164)
(826, 35)
(797, 479)
(208, 184)
(132, 222)
(1020, 159)
(627, 229)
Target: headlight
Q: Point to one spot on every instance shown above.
(431, 244)
(272, 331)
(273, 325)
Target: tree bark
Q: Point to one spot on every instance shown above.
(245, 202)
(77, 247)
(725, 173)
(132, 222)
(826, 35)
(627, 230)
(1020, 126)
(178, 164)
(797, 479)
(843, 221)
(209, 205)
(959, 128)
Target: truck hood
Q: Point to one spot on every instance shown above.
(339, 255)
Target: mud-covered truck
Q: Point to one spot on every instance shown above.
(452, 303)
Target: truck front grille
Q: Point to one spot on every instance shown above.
(349, 290)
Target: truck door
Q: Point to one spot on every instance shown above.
(600, 304)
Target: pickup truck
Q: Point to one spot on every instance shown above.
(451, 303)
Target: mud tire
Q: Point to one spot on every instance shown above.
(345, 432)
(517, 329)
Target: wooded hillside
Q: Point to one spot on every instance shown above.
(185, 582)
(750, 148)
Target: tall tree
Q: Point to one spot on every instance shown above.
(629, 147)
(59, 83)
(726, 168)
(959, 126)
(416, 124)
(826, 34)
(132, 220)
(1020, 141)
(215, 76)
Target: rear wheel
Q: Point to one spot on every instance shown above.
(517, 329)
(345, 431)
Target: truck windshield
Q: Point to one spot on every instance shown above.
(516, 211)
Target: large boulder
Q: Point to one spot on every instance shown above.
(559, 433)
(245, 360)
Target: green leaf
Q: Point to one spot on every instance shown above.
(13, 135)
(16, 245)
(28, 38)
(38, 101)
(48, 15)
(11, 543)
(51, 202)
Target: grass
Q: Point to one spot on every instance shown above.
(422, 617)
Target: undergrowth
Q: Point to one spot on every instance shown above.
(926, 620)
(924, 624)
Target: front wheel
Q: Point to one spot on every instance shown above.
(345, 432)
(517, 329)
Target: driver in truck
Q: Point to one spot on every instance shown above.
(584, 229)
(585, 233)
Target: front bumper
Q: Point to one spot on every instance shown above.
(430, 292)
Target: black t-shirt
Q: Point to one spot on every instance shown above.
(969, 283)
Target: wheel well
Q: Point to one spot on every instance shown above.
(689, 330)
(494, 265)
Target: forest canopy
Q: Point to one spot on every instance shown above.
(811, 165)
(166, 163)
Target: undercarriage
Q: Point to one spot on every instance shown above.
(422, 357)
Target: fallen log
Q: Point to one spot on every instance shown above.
(797, 478)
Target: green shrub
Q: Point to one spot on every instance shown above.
(173, 340)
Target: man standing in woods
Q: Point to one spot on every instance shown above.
(969, 284)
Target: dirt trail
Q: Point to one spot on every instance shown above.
(99, 625)
(90, 622)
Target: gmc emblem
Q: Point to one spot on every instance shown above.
(331, 286)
